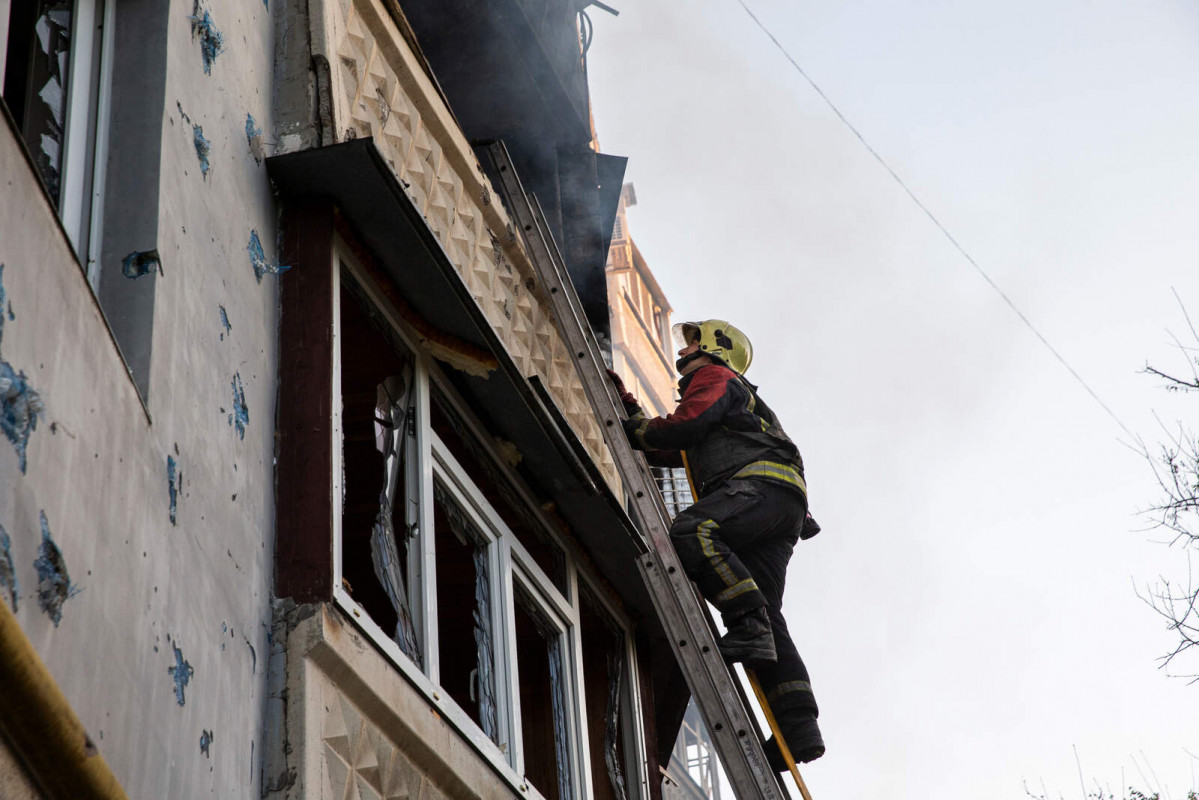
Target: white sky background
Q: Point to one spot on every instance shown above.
(969, 613)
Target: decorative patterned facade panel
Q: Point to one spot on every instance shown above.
(374, 737)
(380, 91)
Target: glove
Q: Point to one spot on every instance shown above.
(626, 397)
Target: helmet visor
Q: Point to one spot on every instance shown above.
(684, 333)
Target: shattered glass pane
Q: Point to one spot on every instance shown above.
(604, 665)
(561, 739)
(612, 759)
(392, 433)
(464, 600)
(485, 680)
(378, 458)
(47, 71)
(496, 487)
(541, 664)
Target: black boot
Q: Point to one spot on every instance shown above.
(749, 638)
(803, 740)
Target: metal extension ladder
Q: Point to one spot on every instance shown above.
(685, 618)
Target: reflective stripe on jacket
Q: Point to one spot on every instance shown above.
(724, 428)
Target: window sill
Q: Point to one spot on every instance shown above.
(335, 673)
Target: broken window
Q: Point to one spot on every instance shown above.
(604, 679)
(53, 54)
(462, 580)
(379, 503)
(541, 665)
(497, 490)
(464, 605)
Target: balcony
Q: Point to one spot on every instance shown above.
(365, 79)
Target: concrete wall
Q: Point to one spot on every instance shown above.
(162, 637)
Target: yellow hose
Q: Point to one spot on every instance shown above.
(39, 725)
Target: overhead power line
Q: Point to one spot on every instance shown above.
(933, 218)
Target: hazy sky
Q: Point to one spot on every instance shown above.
(969, 613)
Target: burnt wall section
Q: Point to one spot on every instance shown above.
(162, 625)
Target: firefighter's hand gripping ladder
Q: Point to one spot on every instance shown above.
(685, 619)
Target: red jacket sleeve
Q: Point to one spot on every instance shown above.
(705, 402)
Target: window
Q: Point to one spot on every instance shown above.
(56, 66)
(605, 680)
(675, 488)
(445, 559)
(694, 769)
(541, 665)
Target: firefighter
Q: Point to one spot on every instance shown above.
(736, 540)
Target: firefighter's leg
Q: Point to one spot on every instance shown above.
(786, 683)
(708, 537)
(705, 537)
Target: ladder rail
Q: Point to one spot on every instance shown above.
(717, 695)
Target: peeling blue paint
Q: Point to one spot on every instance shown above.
(141, 262)
(53, 582)
(20, 406)
(203, 147)
(8, 570)
(183, 673)
(258, 259)
(254, 138)
(174, 481)
(205, 742)
(212, 41)
(240, 417)
(224, 322)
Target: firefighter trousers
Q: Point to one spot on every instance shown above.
(735, 544)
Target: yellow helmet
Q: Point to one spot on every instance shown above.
(719, 339)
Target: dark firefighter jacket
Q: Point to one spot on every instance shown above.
(723, 428)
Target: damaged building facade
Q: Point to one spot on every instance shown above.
(300, 492)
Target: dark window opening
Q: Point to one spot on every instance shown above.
(498, 492)
(379, 454)
(603, 681)
(36, 80)
(464, 602)
(542, 670)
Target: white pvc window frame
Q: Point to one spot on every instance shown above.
(507, 561)
(85, 125)
(85, 143)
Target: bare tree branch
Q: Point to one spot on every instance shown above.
(1175, 465)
